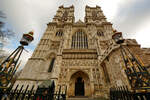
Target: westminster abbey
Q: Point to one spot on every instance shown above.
(80, 55)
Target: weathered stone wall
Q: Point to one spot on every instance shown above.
(114, 65)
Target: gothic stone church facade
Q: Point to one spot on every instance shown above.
(79, 55)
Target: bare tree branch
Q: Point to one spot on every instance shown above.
(5, 33)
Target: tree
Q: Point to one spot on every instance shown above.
(5, 33)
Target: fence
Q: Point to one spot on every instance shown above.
(122, 93)
(26, 94)
(61, 93)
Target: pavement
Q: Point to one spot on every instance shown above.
(84, 98)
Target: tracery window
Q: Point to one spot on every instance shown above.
(79, 40)
(51, 65)
(100, 33)
(59, 33)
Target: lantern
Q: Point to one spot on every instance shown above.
(26, 39)
(117, 37)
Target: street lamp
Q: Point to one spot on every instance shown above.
(10, 65)
(137, 73)
(26, 39)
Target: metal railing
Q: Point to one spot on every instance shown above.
(122, 93)
(23, 93)
(61, 93)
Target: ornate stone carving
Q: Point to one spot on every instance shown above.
(54, 45)
(82, 62)
(96, 73)
(63, 73)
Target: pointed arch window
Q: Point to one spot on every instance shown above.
(51, 65)
(59, 33)
(79, 40)
(100, 33)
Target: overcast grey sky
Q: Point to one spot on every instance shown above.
(132, 17)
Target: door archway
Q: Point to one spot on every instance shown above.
(79, 84)
(79, 87)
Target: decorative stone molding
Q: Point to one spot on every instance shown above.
(83, 62)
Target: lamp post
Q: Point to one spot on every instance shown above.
(137, 73)
(10, 65)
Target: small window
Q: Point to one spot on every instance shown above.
(100, 33)
(51, 65)
(59, 33)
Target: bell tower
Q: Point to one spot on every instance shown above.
(64, 15)
(94, 14)
(100, 29)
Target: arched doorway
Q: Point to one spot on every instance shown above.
(79, 84)
(79, 87)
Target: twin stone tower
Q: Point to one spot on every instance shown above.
(80, 55)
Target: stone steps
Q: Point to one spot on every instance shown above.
(79, 99)
(84, 98)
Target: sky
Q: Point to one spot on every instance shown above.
(132, 17)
